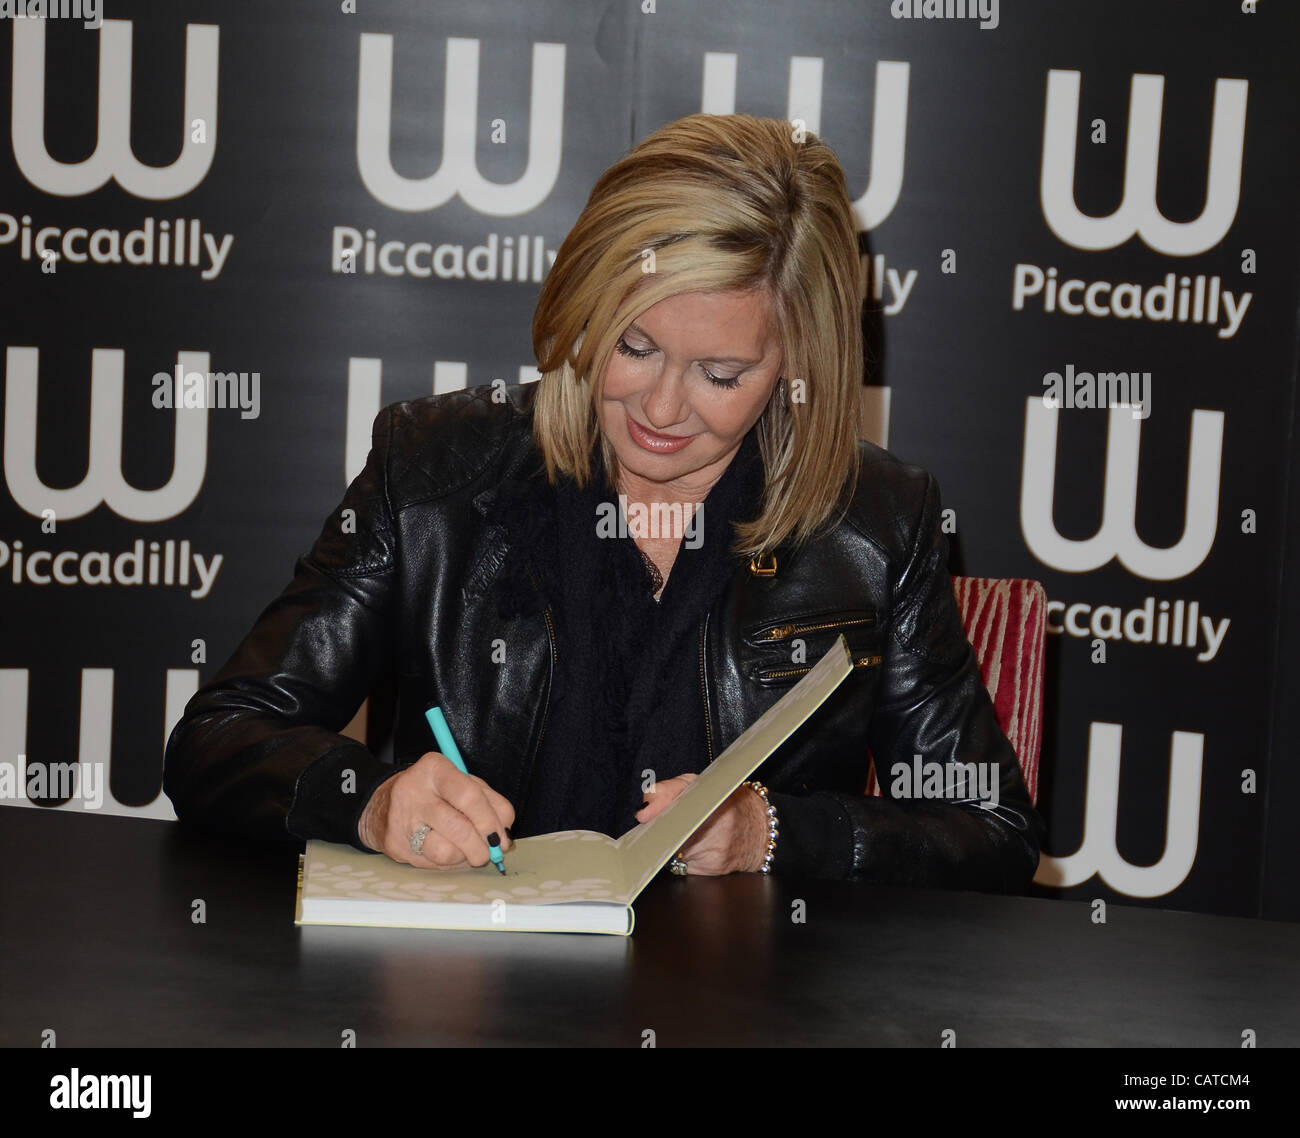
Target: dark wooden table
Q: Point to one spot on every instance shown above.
(98, 944)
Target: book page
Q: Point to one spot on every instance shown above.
(580, 865)
(550, 869)
(648, 848)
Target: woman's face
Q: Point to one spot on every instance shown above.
(688, 379)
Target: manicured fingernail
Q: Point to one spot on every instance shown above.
(643, 806)
(494, 839)
(509, 834)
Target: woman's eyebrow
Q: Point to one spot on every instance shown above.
(741, 360)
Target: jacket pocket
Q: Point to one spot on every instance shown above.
(820, 631)
(776, 632)
(776, 675)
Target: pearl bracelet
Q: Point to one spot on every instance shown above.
(761, 791)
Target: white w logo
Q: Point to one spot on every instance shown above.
(888, 124)
(103, 481)
(1117, 536)
(95, 734)
(458, 172)
(113, 156)
(1138, 212)
(1097, 854)
(365, 401)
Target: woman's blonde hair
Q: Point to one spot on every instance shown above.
(717, 203)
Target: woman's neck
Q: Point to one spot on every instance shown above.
(690, 488)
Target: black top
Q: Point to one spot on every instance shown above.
(626, 703)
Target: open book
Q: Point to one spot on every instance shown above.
(571, 881)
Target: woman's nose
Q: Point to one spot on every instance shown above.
(664, 402)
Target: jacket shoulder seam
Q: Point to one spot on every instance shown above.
(903, 473)
(465, 441)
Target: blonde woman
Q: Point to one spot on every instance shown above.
(603, 578)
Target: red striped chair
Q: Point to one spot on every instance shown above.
(1006, 622)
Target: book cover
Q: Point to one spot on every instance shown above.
(569, 881)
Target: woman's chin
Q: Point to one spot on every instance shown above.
(650, 467)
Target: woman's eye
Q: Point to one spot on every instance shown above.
(721, 380)
(626, 349)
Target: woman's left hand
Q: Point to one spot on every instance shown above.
(733, 840)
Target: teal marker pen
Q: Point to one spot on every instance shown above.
(447, 745)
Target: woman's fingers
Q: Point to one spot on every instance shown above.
(458, 832)
(461, 811)
(436, 852)
(489, 812)
(663, 795)
(502, 813)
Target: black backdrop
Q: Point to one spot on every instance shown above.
(282, 159)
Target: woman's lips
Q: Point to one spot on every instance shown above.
(652, 441)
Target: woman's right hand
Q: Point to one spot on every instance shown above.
(461, 811)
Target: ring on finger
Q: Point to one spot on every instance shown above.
(417, 837)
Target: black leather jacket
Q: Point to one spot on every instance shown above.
(403, 579)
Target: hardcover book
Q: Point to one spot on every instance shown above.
(570, 881)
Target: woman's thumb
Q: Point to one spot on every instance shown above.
(662, 794)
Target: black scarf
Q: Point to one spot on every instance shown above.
(626, 695)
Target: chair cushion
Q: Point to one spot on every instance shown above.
(1006, 622)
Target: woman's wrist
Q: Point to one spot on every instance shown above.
(374, 816)
(770, 828)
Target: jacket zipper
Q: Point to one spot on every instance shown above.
(546, 711)
(859, 662)
(704, 686)
(526, 782)
(783, 631)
